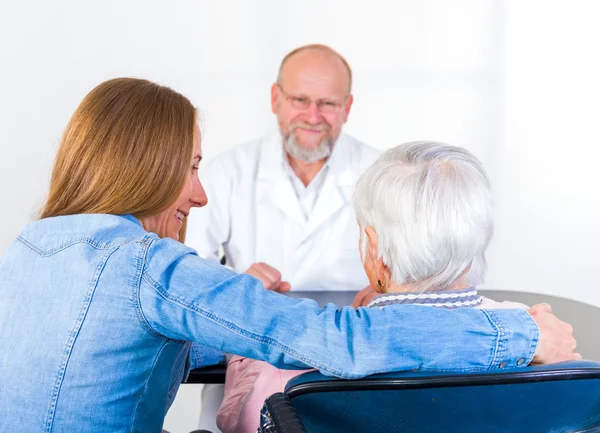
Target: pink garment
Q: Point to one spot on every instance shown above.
(249, 382)
(247, 385)
(490, 304)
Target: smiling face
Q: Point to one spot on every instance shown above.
(168, 223)
(312, 102)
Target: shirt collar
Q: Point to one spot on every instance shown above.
(449, 299)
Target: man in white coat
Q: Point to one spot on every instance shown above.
(281, 206)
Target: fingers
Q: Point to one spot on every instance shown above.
(284, 287)
(556, 342)
(369, 297)
(364, 297)
(272, 274)
(269, 276)
(358, 299)
(539, 308)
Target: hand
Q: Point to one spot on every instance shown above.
(556, 342)
(269, 276)
(364, 297)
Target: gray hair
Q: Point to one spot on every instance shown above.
(431, 207)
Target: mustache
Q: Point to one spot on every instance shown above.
(318, 127)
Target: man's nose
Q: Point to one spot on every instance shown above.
(313, 114)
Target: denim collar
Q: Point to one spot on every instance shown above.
(132, 219)
(449, 299)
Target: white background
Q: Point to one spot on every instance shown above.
(514, 81)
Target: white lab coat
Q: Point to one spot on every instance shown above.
(254, 213)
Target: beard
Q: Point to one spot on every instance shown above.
(303, 153)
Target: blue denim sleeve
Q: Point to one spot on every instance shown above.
(508, 347)
(185, 297)
(202, 356)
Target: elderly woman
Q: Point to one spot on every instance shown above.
(425, 216)
(101, 301)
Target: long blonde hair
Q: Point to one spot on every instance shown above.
(126, 150)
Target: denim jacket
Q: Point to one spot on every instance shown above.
(97, 317)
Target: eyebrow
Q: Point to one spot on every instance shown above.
(198, 157)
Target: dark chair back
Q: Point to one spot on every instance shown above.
(557, 398)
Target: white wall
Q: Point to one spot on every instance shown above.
(516, 82)
(547, 186)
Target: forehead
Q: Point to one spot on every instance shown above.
(197, 140)
(315, 74)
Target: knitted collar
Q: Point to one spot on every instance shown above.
(447, 299)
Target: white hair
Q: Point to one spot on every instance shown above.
(431, 207)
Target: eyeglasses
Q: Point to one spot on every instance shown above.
(303, 102)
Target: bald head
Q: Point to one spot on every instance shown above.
(319, 61)
(312, 100)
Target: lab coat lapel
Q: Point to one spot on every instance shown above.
(336, 191)
(274, 187)
(274, 194)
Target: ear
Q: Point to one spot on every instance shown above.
(347, 106)
(275, 97)
(382, 273)
(372, 243)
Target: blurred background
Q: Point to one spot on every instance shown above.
(516, 82)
